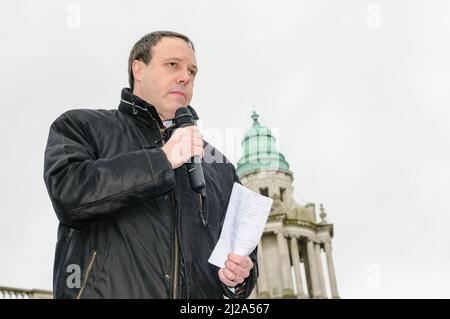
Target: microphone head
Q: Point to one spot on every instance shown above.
(183, 117)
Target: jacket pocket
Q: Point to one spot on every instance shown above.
(91, 273)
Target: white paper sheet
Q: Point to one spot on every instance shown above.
(244, 224)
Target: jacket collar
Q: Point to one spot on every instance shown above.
(137, 107)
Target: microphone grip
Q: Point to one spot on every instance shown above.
(196, 177)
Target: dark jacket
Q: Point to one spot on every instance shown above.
(130, 225)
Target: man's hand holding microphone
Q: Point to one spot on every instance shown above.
(185, 143)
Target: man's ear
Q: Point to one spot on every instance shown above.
(138, 70)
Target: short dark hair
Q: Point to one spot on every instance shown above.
(142, 50)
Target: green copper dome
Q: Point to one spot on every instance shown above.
(260, 152)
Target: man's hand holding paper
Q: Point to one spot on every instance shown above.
(242, 229)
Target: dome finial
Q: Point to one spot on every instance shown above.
(255, 117)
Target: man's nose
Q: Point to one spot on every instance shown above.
(184, 77)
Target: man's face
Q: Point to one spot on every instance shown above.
(167, 82)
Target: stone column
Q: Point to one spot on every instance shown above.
(295, 253)
(322, 292)
(331, 273)
(312, 268)
(263, 290)
(285, 265)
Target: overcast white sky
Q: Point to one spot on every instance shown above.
(358, 92)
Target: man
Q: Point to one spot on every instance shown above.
(129, 222)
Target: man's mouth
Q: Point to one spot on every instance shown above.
(179, 93)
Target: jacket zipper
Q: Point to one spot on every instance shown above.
(202, 212)
(87, 273)
(175, 258)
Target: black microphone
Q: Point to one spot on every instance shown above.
(183, 118)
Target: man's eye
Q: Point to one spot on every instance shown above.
(193, 72)
(173, 64)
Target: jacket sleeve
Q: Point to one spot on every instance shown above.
(244, 289)
(85, 188)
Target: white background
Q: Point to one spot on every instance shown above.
(357, 91)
